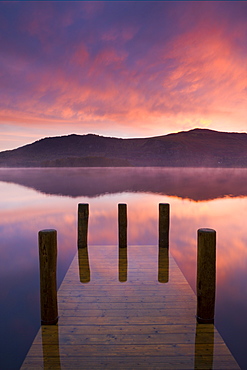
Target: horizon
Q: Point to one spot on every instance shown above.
(120, 69)
(124, 138)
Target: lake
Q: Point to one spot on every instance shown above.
(36, 199)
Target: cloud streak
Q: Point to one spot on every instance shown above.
(136, 68)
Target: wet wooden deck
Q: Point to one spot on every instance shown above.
(127, 313)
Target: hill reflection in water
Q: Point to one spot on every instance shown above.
(197, 184)
(48, 198)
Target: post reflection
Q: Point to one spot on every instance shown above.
(84, 268)
(163, 265)
(122, 264)
(204, 346)
(50, 339)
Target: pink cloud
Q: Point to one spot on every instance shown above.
(121, 34)
(81, 55)
(80, 66)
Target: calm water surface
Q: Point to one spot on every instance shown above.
(34, 199)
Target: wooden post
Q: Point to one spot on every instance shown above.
(164, 223)
(48, 276)
(206, 275)
(83, 213)
(122, 225)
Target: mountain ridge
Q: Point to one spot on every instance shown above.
(193, 148)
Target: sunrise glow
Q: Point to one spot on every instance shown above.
(125, 69)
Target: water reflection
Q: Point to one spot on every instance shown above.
(197, 184)
(50, 339)
(24, 211)
(122, 264)
(204, 346)
(163, 267)
(84, 268)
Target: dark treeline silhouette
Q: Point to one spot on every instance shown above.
(194, 148)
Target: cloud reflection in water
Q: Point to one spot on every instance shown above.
(31, 200)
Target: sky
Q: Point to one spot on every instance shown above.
(123, 69)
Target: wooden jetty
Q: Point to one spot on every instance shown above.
(127, 308)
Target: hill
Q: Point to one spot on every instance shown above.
(194, 148)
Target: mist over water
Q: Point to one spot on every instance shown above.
(35, 199)
(192, 183)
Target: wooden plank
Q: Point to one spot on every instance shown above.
(168, 305)
(138, 324)
(98, 350)
(64, 320)
(117, 292)
(133, 312)
(201, 331)
(117, 339)
(154, 363)
(180, 299)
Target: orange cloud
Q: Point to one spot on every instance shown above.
(135, 73)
